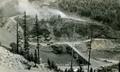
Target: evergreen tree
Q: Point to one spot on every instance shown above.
(29, 57)
(35, 57)
(17, 38)
(90, 44)
(26, 44)
(14, 47)
(21, 51)
(91, 70)
(78, 70)
(48, 61)
(119, 66)
(81, 69)
(71, 67)
(32, 57)
(66, 70)
(37, 35)
(52, 64)
(49, 64)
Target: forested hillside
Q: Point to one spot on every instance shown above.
(105, 11)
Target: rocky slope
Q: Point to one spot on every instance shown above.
(10, 62)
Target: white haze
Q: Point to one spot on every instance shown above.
(44, 12)
(25, 6)
(14, 7)
(31, 9)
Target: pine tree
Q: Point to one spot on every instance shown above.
(91, 70)
(17, 38)
(21, 51)
(78, 70)
(49, 64)
(119, 66)
(52, 64)
(91, 39)
(29, 57)
(81, 69)
(37, 34)
(32, 57)
(35, 57)
(66, 70)
(26, 44)
(48, 61)
(71, 67)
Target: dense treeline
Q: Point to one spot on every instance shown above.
(106, 11)
(65, 29)
(71, 30)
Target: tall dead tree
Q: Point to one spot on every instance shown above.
(37, 35)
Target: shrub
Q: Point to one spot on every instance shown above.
(14, 47)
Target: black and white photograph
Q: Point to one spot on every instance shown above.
(59, 35)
